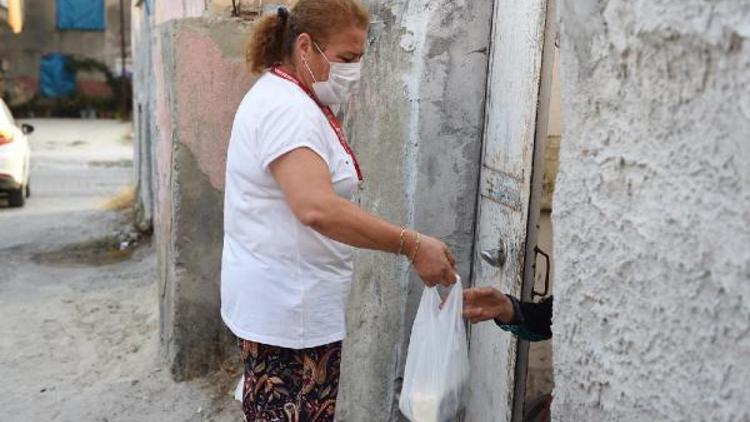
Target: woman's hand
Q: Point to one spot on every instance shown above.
(484, 303)
(434, 262)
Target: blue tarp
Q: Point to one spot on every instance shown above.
(80, 14)
(55, 79)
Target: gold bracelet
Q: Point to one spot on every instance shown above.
(401, 241)
(416, 247)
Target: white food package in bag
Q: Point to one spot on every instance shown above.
(437, 363)
(240, 389)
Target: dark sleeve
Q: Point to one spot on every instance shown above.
(531, 321)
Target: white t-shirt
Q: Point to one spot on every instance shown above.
(282, 283)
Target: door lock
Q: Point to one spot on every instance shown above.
(495, 257)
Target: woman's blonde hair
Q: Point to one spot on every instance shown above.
(272, 40)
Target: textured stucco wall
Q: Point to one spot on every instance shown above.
(652, 212)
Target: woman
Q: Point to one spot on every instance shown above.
(290, 224)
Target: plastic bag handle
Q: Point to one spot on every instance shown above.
(453, 303)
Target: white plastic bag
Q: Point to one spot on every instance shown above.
(437, 364)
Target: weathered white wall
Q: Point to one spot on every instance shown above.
(652, 212)
(166, 10)
(417, 128)
(143, 82)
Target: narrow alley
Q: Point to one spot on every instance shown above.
(374, 211)
(78, 315)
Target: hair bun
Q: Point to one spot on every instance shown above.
(283, 14)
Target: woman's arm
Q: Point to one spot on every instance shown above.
(306, 182)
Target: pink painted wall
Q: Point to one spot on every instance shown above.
(208, 93)
(199, 79)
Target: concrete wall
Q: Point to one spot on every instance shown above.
(200, 79)
(148, 23)
(166, 10)
(41, 36)
(651, 212)
(246, 8)
(189, 79)
(417, 126)
(147, 19)
(142, 40)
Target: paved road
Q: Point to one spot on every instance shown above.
(79, 324)
(76, 165)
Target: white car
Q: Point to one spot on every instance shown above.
(15, 157)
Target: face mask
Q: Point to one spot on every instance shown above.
(343, 81)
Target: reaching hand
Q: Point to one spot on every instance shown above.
(484, 303)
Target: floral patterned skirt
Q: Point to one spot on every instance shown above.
(289, 385)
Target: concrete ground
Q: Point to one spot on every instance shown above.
(78, 316)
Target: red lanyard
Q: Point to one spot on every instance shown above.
(332, 120)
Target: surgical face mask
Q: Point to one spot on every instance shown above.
(343, 81)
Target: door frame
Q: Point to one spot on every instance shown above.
(535, 201)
